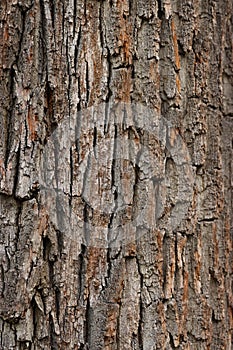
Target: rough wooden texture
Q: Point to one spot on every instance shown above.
(116, 174)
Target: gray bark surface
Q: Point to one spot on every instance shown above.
(116, 174)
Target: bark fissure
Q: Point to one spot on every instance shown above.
(115, 175)
(11, 115)
(141, 317)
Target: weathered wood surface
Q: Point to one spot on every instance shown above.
(116, 174)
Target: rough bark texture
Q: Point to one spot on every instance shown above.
(116, 174)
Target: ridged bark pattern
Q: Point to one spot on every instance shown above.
(116, 174)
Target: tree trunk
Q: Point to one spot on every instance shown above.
(116, 174)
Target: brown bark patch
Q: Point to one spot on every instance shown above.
(175, 43)
(32, 120)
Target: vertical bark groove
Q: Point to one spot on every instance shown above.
(116, 174)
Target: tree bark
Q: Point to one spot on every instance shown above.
(116, 174)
